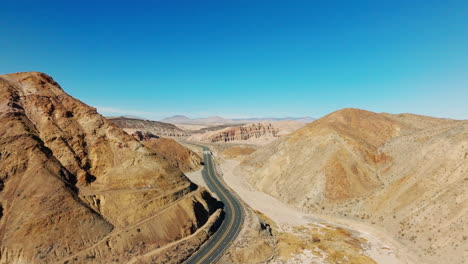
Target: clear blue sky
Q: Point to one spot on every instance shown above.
(245, 58)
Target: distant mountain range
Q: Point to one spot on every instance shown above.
(181, 119)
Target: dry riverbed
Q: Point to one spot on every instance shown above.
(310, 238)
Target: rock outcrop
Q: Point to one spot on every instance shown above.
(179, 156)
(75, 188)
(251, 133)
(143, 136)
(131, 125)
(405, 173)
(245, 133)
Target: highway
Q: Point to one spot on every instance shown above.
(212, 250)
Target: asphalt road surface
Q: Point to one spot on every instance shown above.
(214, 248)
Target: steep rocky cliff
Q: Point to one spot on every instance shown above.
(245, 133)
(250, 132)
(178, 155)
(131, 125)
(75, 188)
(404, 173)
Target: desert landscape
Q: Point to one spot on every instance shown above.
(353, 185)
(234, 132)
(383, 176)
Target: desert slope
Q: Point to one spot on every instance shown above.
(75, 188)
(176, 154)
(405, 173)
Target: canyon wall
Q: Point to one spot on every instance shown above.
(252, 133)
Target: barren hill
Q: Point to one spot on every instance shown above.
(75, 188)
(179, 156)
(405, 173)
(131, 125)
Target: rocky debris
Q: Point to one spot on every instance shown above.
(404, 173)
(143, 136)
(130, 125)
(75, 188)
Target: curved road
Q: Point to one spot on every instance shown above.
(213, 249)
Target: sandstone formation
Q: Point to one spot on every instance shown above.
(405, 173)
(131, 125)
(177, 155)
(75, 188)
(255, 133)
(244, 133)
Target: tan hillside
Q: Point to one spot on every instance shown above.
(75, 188)
(177, 155)
(405, 173)
(131, 125)
(237, 152)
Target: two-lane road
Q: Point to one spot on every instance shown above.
(214, 248)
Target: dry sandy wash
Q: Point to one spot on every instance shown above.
(75, 188)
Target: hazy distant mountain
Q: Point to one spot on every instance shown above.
(217, 120)
(177, 119)
(305, 119)
(126, 116)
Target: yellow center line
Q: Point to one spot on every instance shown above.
(230, 223)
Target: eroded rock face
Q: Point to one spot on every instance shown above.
(245, 133)
(75, 188)
(405, 173)
(240, 133)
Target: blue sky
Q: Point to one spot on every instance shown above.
(245, 58)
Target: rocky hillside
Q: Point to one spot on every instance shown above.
(404, 173)
(131, 125)
(256, 133)
(75, 188)
(179, 156)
